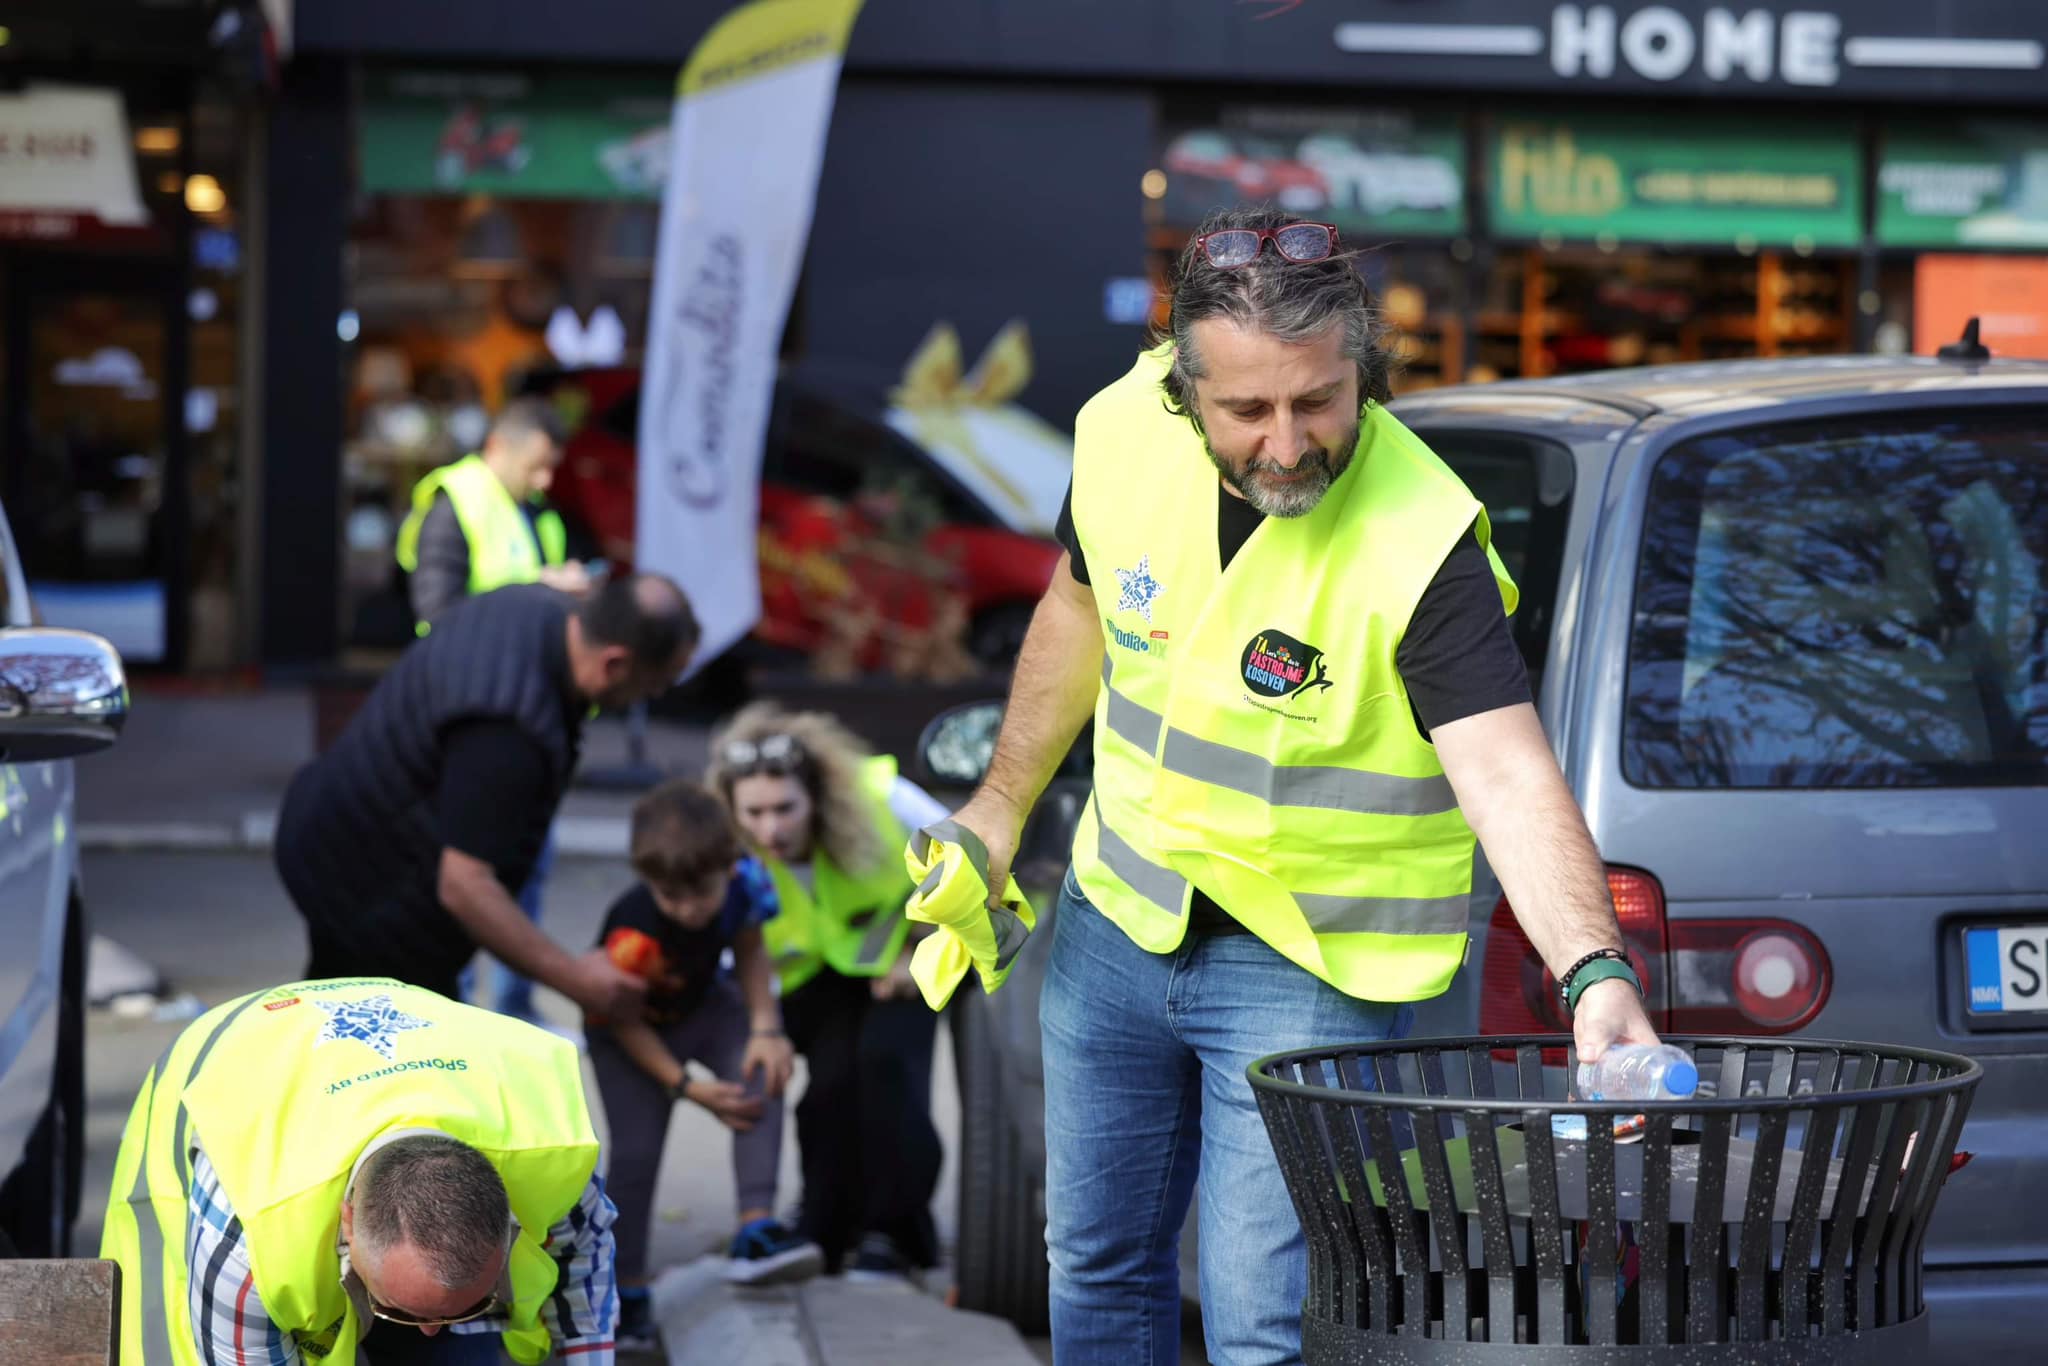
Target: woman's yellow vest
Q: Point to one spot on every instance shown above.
(850, 922)
(1252, 736)
(502, 550)
(283, 1089)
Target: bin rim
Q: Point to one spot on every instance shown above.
(1969, 1072)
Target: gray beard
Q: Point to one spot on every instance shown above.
(1296, 498)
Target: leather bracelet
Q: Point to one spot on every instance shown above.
(1596, 973)
(1569, 985)
(768, 1034)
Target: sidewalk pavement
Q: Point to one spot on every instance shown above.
(824, 1322)
(208, 773)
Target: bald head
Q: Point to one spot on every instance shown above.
(631, 639)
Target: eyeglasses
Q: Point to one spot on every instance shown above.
(1301, 243)
(407, 1317)
(780, 754)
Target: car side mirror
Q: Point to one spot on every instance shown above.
(956, 747)
(62, 694)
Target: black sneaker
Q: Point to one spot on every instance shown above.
(636, 1331)
(765, 1251)
(878, 1260)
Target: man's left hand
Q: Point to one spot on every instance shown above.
(1610, 1012)
(896, 984)
(775, 1057)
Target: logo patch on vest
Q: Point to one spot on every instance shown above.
(1277, 665)
(373, 1022)
(1137, 588)
(1153, 645)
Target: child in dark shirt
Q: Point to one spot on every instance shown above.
(696, 899)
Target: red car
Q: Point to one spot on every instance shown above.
(867, 538)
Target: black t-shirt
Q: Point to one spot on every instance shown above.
(492, 774)
(685, 963)
(1457, 658)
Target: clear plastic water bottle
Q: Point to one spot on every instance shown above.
(1639, 1071)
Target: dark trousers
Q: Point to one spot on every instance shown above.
(361, 952)
(870, 1153)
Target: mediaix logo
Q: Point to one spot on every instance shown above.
(1153, 644)
(1278, 665)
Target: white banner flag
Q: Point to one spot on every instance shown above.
(752, 109)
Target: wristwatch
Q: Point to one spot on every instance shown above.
(1597, 966)
(681, 1090)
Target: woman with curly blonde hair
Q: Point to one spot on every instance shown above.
(829, 821)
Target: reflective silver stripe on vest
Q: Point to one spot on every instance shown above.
(156, 1329)
(1385, 914)
(875, 940)
(1162, 887)
(1311, 785)
(1135, 724)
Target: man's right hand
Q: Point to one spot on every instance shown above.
(728, 1101)
(607, 991)
(571, 578)
(1000, 825)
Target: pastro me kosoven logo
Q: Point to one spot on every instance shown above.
(1277, 665)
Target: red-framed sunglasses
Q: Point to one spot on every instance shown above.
(1236, 248)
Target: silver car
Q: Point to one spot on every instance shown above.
(62, 694)
(1787, 622)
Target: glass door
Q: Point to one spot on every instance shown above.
(91, 467)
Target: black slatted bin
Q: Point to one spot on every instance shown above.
(1778, 1216)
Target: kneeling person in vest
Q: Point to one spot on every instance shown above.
(480, 524)
(345, 1171)
(1285, 615)
(829, 822)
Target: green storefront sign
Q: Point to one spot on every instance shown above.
(566, 137)
(1963, 183)
(1386, 172)
(1698, 182)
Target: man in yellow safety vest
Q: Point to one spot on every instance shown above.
(356, 1165)
(480, 524)
(1286, 618)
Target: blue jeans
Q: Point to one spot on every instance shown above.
(1145, 1095)
(512, 994)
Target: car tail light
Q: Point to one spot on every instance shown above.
(1699, 976)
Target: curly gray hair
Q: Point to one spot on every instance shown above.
(1294, 301)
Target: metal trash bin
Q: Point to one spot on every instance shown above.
(1776, 1217)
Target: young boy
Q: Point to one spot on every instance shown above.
(697, 897)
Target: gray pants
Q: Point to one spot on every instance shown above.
(637, 1109)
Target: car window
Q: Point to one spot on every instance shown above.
(1526, 487)
(1850, 603)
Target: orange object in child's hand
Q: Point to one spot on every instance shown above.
(636, 952)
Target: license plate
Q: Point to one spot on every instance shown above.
(2008, 969)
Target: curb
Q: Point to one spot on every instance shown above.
(575, 836)
(707, 1322)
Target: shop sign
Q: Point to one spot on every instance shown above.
(2008, 295)
(552, 137)
(64, 152)
(1972, 182)
(1799, 46)
(1384, 172)
(1724, 182)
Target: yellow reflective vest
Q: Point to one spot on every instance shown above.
(1252, 735)
(851, 922)
(283, 1089)
(503, 549)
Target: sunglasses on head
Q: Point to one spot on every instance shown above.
(1301, 243)
(777, 754)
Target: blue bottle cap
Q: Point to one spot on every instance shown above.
(1683, 1079)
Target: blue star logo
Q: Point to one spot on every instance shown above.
(1138, 589)
(373, 1022)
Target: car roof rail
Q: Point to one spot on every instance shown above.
(1966, 347)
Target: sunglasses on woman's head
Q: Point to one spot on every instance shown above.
(777, 754)
(1301, 243)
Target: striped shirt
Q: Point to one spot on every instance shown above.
(231, 1328)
